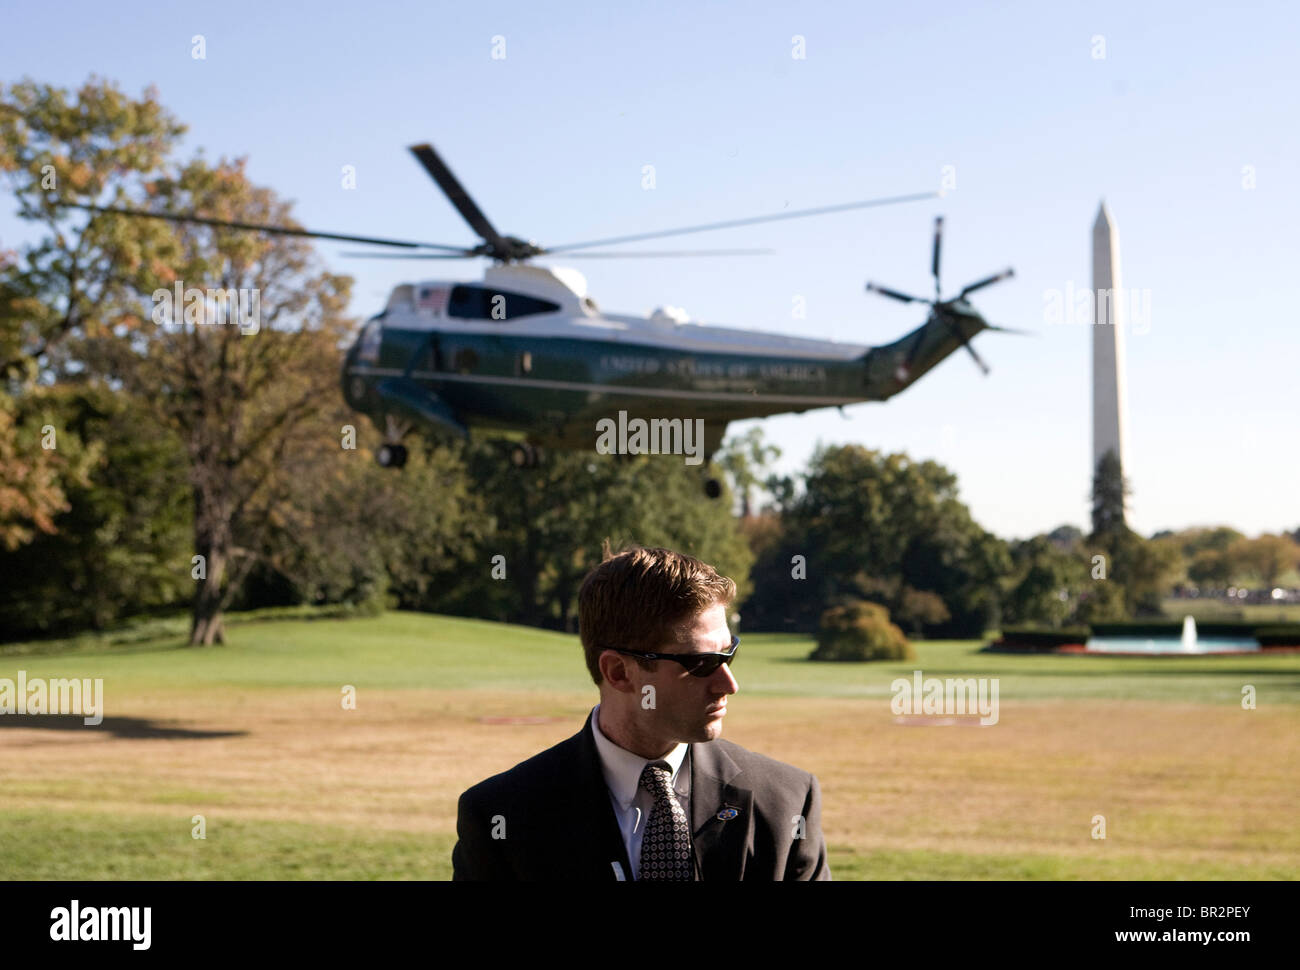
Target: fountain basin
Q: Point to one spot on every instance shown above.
(1189, 644)
(1171, 645)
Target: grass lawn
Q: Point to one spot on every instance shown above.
(1210, 610)
(252, 737)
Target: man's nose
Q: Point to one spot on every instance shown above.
(729, 684)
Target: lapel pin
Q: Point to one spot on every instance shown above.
(727, 814)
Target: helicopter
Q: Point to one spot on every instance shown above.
(527, 354)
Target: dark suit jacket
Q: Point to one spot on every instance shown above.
(558, 823)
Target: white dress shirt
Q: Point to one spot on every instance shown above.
(632, 803)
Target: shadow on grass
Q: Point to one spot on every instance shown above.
(1223, 672)
(122, 727)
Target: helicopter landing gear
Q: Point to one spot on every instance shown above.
(525, 455)
(712, 487)
(392, 453)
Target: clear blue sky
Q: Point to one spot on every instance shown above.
(552, 139)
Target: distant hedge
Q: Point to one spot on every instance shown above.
(1273, 635)
(1044, 639)
(1279, 635)
(1173, 628)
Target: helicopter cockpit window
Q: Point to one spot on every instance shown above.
(481, 303)
(371, 337)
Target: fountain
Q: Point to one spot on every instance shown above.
(1188, 644)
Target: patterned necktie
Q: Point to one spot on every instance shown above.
(666, 847)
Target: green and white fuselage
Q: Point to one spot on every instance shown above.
(525, 350)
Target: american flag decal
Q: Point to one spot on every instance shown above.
(431, 298)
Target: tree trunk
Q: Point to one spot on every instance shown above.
(212, 541)
(206, 627)
(207, 631)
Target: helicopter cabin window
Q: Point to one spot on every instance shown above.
(481, 303)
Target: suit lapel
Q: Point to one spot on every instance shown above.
(721, 813)
(594, 826)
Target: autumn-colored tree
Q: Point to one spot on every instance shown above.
(33, 477)
(239, 371)
(1267, 557)
(57, 147)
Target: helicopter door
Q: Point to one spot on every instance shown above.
(428, 355)
(430, 301)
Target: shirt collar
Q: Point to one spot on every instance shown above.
(622, 768)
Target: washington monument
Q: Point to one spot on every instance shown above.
(1109, 414)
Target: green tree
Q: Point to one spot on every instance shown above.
(1067, 537)
(1048, 583)
(1267, 557)
(122, 545)
(1110, 493)
(352, 532)
(1143, 571)
(547, 524)
(1102, 602)
(1212, 568)
(1218, 538)
(896, 522)
(745, 459)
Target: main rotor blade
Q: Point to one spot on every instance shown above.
(754, 220)
(988, 281)
(653, 254)
(454, 191)
(934, 264)
(894, 294)
(638, 255)
(1019, 333)
(464, 254)
(259, 227)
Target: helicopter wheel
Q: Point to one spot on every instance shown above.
(712, 487)
(391, 456)
(523, 455)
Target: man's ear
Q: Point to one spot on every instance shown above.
(614, 671)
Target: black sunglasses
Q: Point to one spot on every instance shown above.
(698, 664)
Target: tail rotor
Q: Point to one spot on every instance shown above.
(950, 311)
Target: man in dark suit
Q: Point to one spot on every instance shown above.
(647, 790)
